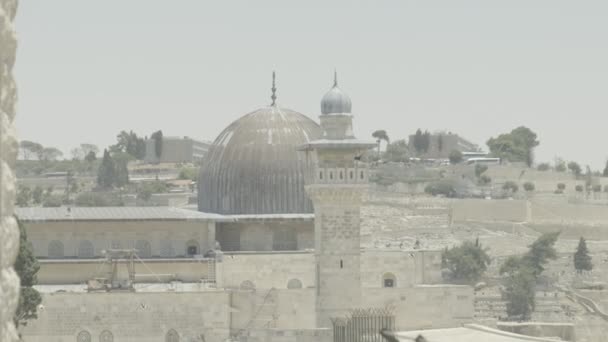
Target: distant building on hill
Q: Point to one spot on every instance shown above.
(177, 150)
(442, 144)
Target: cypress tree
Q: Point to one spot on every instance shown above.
(26, 267)
(582, 259)
(107, 171)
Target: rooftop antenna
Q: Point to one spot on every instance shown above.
(274, 90)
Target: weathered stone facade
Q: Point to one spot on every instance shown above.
(9, 233)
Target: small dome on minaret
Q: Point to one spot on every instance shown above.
(335, 101)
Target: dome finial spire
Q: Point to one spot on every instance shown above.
(335, 78)
(274, 90)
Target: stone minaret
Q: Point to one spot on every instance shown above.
(336, 188)
(9, 233)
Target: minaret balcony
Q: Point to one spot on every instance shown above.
(355, 175)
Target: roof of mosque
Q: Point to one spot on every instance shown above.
(113, 214)
(253, 167)
(335, 101)
(467, 333)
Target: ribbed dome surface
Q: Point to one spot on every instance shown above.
(335, 101)
(253, 166)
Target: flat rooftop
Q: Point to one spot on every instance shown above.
(467, 333)
(39, 214)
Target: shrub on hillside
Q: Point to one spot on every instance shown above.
(510, 186)
(442, 187)
(466, 263)
(529, 186)
(543, 167)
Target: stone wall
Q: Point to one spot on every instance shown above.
(9, 233)
(80, 271)
(266, 270)
(275, 270)
(489, 210)
(564, 331)
(266, 235)
(164, 238)
(136, 317)
(252, 315)
(425, 306)
(408, 268)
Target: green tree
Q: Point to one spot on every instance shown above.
(543, 167)
(51, 153)
(541, 251)
(107, 170)
(582, 259)
(522, 274)
(380, 135)
(605, 173)
(516, 146)
(440, 143)
(397, 151)
(98, 199)
(455, 157)
(52, 201)
(467, 262)
(510, 186)
(426, 141)
(418, 142)
(90, 157)
(158, 143)
(579, 188)
(129, 142)
(519, 294)
(29, 148)
(121, 170)
(188, 173)
(560, 165)
(575, 168)
(529, 186)
(24, 196)
(26, 267)
(480, 169)
(37, 194)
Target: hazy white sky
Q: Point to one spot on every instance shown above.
(88, 69)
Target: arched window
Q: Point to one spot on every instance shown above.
(143, 249)
(166, 248)
(106, 336)
(389, 280)
(83, 336)
(55, 249)
(172, 336)
(192, 248)
(247, 285)
(294, 284)
(86, 249)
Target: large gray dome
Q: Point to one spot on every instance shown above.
(335, 101)
(253, 166)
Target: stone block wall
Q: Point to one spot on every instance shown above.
(135, 317)
(79, 272)
(165, 238)
(9, 233)
(424, 307)
(489, 210)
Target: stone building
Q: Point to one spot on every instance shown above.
(176, 150)
(442, 144)
(282, 196)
